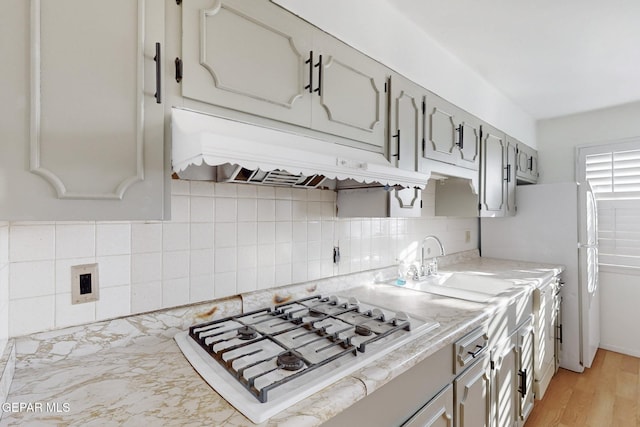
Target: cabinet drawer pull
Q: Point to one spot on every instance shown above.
(397, 135)
(474, 354)
(158, 59)
(460, 142)
(319, 67)
(178, 63)
(310, 62)
(508, 171)
(523, 382)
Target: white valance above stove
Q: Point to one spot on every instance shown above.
(199, 138)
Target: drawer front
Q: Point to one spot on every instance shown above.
(468, 349)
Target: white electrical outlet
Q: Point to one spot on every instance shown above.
(84, 283)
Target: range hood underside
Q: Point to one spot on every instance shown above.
(241, 152)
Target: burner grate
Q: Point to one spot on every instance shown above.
(270, 347)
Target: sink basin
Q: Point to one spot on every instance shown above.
(470, 287)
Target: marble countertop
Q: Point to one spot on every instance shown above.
(129, 371)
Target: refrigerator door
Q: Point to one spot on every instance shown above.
(588, 276)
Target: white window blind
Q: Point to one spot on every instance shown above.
(614, 174)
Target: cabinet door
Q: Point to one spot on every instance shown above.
(247, 56)
(525, 370)
(350, 100)
(472, 396)
(441, 139)
(96, 143)
(493, 173)
(504, 383)
(437, 413)
(526, 163)
(510, 184)
(469, 141)
(406, 121)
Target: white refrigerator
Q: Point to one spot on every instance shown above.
(557, 223)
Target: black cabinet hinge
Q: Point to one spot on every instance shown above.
(424, 107)
(493, 366)
(420, 204)
(178, 2)
(385, 87)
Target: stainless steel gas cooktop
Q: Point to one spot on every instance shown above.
(266, 360)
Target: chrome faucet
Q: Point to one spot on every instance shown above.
(432, 267)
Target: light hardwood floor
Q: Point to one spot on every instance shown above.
(606, 395)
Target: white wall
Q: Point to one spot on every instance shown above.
(377, 29)
(224, 239)
(557, 140)
(4, 284)
(558, 137)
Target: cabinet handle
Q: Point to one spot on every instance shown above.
(508, 170)
(523, 382)
(178, 63)
(530, 164)
(157, 58)
(397, 135)
(560, 333)
(310, 62)
(460, 142)
(474, 354)
(319, 67)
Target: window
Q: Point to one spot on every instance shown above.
(613, 171)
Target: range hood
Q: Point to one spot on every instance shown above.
(243, 152)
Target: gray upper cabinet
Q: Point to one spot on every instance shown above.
(527, 162)
(350, 99)
(94, 147)
(452, 135)
(247, 56)
(497, 174)
(258, 58)
(406, 127)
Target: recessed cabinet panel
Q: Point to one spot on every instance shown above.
(248, 57)
(527, 162)
(437, 413)
(472, 393)
(493, 174)
(470, 147)
(350, 100)
(94, 146)
(72, 139)
(504, 383)
(452, 135)
(406, 122)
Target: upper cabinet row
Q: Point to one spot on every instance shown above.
(94, 143)
(258, 58)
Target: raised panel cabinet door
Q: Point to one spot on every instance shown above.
(469, 141)
(472, 395)
(525, 336)
(405, 122)
(96, 142)
(493, 173)
(437, 413)
(441, 131)
(350, 100)
(248, 56)
(504, 383)
(511, 181)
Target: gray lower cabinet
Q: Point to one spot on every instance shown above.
(512, 377)
(258, 58)
(437, 413)
(472, 395)
(452, 135)
(497, 174)
(90, 143)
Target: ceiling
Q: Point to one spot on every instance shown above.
(550, 57)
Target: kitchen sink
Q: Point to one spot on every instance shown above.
(472, 287)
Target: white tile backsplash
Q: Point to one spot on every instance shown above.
(222, 239)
